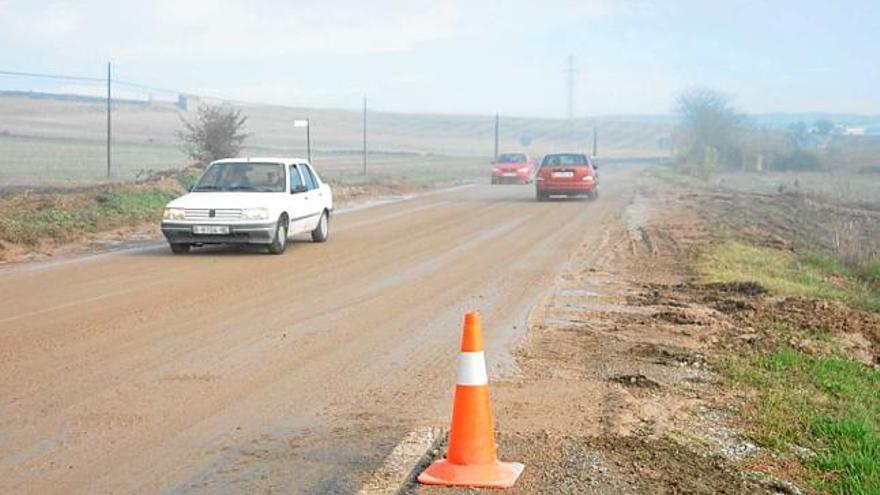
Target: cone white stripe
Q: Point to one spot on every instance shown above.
(472, 369)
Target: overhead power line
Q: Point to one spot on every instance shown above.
(144, 87)
(134, 85)
(50, 76)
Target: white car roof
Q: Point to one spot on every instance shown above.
(262, 159)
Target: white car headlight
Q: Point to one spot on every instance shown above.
(255, 214)
(588, 178)
(173, 214)
(523, 170)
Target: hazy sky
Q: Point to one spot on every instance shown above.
(463, 56)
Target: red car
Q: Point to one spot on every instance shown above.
(569, 174)
(513, 168)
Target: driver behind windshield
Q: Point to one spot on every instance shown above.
(245, 177)
(238, 177)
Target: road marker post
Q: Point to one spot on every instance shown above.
(472, 457)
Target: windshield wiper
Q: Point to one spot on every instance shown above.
(206, 187)
(241, 188)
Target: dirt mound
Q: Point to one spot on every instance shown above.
(732, 306)
(677, 318)
(828, 316)
(743, 288)
(747, 305)
(667, 356)
(613, 465)
(637, 380)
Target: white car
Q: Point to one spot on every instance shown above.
(250, 201)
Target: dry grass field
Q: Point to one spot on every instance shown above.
(46, 141)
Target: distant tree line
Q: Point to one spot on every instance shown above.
(712, 135)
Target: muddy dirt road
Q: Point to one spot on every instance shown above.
(230, 371)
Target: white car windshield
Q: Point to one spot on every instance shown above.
(246, 177)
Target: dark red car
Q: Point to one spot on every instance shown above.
(569, 174)
(513, 168)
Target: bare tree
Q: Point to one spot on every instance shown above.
(217, 132)
(710, 128)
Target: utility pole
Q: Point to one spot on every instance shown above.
(497, 123)
(108, 119)
(365, 134)
(595, 141)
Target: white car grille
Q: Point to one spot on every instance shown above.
(206, 214)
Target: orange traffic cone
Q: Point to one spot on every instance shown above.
(472, 458)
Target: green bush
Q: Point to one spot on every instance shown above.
(797, 160)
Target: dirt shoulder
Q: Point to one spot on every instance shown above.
(629, 379)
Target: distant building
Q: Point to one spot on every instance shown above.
(854, 131)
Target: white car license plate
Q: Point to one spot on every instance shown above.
(510, 174)
(563, 174)
(211, 229)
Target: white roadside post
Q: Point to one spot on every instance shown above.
(305, 123)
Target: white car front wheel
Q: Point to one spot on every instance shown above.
(279, 243)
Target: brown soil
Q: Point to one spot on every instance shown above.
(613, 465)
(616, 392)
(612, 391)
(218, 371)
(613, 378)
(743, 310)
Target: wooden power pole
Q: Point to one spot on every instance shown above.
(365, 135)
(109, 106)
(497, 122)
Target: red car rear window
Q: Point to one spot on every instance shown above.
(512, 158)
(563, 160)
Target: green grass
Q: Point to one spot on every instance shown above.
(823, 400)
(104, 209)
(872, 271)
(788, 274)
(829, 404)
(868, 271)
